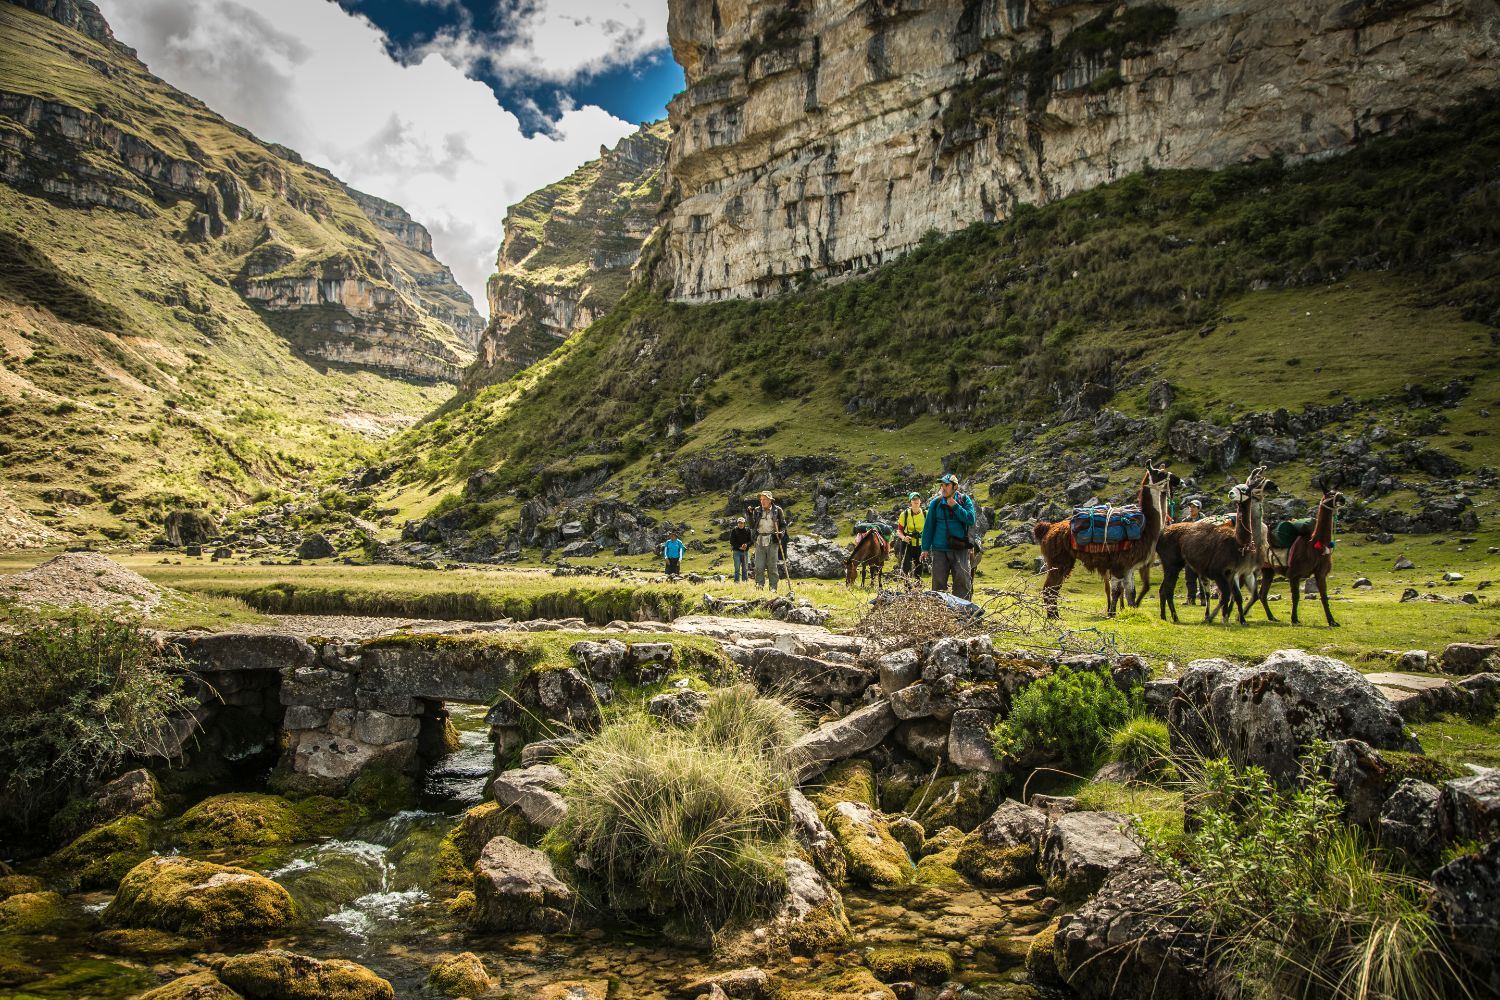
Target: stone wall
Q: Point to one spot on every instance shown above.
(822, 138)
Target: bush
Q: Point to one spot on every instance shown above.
(691, 822)
(1143, 744)
(1017, 493)
(1065, 718)
(1296, 903)
(79, 695)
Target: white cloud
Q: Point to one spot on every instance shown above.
(560, 40)
(306, 74)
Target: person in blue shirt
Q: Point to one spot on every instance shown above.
(672, 549)
(945, 538)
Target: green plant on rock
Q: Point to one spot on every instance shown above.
(691, 822)
(1065, 718)
(1294, 902)
(80, 694)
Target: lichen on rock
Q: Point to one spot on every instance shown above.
(100, 858)
(197, 897)
(282, 975)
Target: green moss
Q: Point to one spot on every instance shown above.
(937, 870)
(1420, 767)
(948, 836)
(460, 976)
(143, 942)
(900, 965)
(250, 820)
(961, 800)
(198, 986)
(196, 897)
(383, 789)
(281, 975)
(453, 864)
(839, 984)
(461, 907)
(1041, 959)
(87, 977)
(101, 857)
(909, 834)
(14, 885)
(895, 788)
(34, 913)
(874, 857)
(996, 867)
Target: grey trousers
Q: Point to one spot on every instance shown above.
(765, 562)
(957, 564)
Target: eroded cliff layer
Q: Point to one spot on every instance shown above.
(567, 253)
(821, 138)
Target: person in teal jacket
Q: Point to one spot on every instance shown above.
(945, 538)
(672, 548)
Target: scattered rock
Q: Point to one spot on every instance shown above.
(1413, 661)
(198, 986)
(603, 660)
(874, 857)
(315, 546)
(815, 838)
(281, 975)
(196, 897)
(516, 889)
(809, 920)
(546, 751)
(855, 733)
(1472, 806)
(1411, 819)
(1468, 904)
(1081, 849)
(1468, 658)
(534, 791)
(679, 708)
(969, 745)
(461, 977)
(1001, 852)
(1403, 563)
(899, 669)
(86, 578)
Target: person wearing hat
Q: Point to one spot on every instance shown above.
(767, 523)
(739, 547)
(945, 538)
(909, 526)
(1194, 512)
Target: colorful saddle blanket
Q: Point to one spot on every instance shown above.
(1105, 525)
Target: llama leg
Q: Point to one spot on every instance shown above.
(1263, 591)
(1167, 593)
(1051, 589)
(1296, 589)
(1239, 600)
(1224, 582)
(1323, 593)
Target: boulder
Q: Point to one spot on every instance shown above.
(516, 889)
(134, 793)
(824, 680)
(198, 986)
(946, 657)
(749, 983)
(969, 745)
(809, 919)
(281, 975)
(603, 660)
(460, 976)
(920, 701)
(897, 670)
(1081, 849)
(546, 751)
(101, 857)
(28, 913)
(874, 857)
(679, 708)
(315, 545)
(1271, 714)
(566, 696)
(1158, 694)
(808, 557)
(1413, 661)
(1467, 903)
(1205, 444)
(855, 733)
(1412, 819)
(814, 837)
(924, 739)
(1419, 696)
(189, 527)
(1001, 852)
(1361, 777)
(199, 898)
(649, 662)
(1468, 657)
(534, 791)
(1128, 942)
(1472, 806)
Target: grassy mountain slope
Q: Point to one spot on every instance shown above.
(167, 336)
(1325, 289)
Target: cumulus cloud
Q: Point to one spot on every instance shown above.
(309, 75)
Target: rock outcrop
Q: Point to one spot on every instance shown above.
(820, 140)
(568, 252)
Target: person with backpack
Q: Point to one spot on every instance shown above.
(945, 538)
(739, 548)
(672, 549)
(767, 523)
(909, 525)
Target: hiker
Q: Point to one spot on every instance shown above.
(909, 526)
(768, 526)
(1194, 513)
(672, 548)
(945, 538)
(739, 547)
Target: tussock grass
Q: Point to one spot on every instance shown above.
(690, 823)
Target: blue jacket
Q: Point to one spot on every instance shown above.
(672, 548)
(943, 523)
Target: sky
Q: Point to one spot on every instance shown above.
(453, 109)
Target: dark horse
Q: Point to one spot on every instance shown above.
(868, 557)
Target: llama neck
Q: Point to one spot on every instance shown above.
(1323, 525)
(1243, 530)
(1258, 525)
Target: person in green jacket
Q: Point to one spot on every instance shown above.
(945, 538)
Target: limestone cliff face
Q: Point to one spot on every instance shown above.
(567, 253)
(820, 138)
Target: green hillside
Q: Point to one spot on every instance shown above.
(1360, 294)
(146, 362)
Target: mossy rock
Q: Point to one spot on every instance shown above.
(138, 942)
(460, 976)
(35, 913)
(199, 898)
(14, 885)
(15, 972)
(895, 785)
(453, 865)
(909, 834)
(256, 820)
(1419, 766)
(101, 857)
(461, 907)
(1041, 957)
(948, 836)
(281, 975)
(996, 867)
(383, 789)
(961, 800)
(199, 986)
(843, 984)
(847, 781)
(875, 858)
(929, 966)
(937, 871)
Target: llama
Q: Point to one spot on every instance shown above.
(1119, 566)
(1309, 556)
(1216, 551)
(868, 557)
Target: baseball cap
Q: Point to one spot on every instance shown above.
(949, 477)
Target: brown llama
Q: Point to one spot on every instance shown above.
(1309, 556)
(1216, 551)
(1119, 566)
(868, 557)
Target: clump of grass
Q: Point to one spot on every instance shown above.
(1142, 743)
(1298, 904)
(80, 693)
(691, 822)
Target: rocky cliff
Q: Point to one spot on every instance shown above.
(822, 139)
(567, 253)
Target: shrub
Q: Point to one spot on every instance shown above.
(1296, 903)
(79, 695)
(1065, 717)
(1142, 743)
(691, 822)
(1017, 493)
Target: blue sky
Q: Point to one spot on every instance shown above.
(453, 109)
